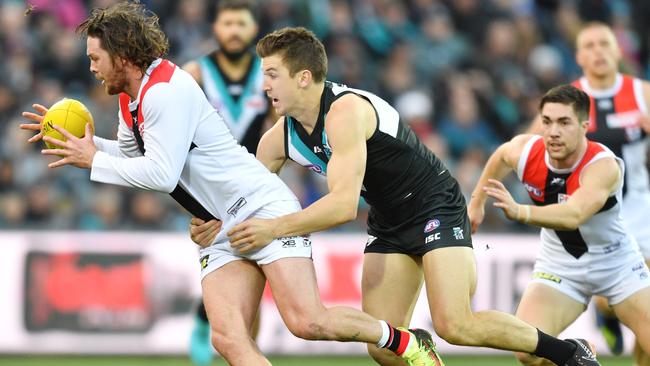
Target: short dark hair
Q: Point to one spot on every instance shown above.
(249, 5)
(299, 48)
(568, 94)
(127, 30)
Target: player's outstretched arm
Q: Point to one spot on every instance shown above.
(597, 182)
(345, 171)
(501, 162)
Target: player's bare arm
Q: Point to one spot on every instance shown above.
(270, 150)
(194, 69)
(598, 181)
(503, 161)
(347, 133)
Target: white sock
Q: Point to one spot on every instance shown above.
(385, 334)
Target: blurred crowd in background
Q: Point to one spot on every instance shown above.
(466, 75)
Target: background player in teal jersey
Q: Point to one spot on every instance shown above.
(231, 78)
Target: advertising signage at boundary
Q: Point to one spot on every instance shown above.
(134, 293)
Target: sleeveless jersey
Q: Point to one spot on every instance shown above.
(229, 183)
(242, 104)
(613, 121)
(548, 185)
(398, 165)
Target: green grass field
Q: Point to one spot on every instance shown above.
(277, 361)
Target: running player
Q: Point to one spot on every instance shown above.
(618, 118)
(418, 221)
(231, 78)
(576, 186)
(170, 139)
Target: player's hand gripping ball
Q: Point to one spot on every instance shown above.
(71, 115)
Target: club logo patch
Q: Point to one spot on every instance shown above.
(431, 225)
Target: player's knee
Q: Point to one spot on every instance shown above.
(227, 342)
(452, 330)
(306, 328)
(529, 360)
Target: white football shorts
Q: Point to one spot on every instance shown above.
(615, 275)
(219, 254)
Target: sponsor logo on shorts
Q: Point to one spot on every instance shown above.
(241, 202)
(291, 241)
(432, 237)
(547, 276)
(458, 233)
(431, 225)
(532, 189)
(204, 261)
(306, 242)
(371, 239)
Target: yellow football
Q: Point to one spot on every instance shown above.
(71, 115)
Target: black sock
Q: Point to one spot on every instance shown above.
(200, 312)
(554, 349)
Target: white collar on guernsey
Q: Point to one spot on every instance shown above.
(602, 93)
(555, 170)
(134, 103)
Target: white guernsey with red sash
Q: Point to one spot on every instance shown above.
(547, 185)
(161, 74)
(170, 139)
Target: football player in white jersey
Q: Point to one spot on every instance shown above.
(170, 139)
(231, 78)
(619, 119)
(586, 250)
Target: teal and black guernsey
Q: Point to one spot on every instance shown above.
(400, 170)
(242, 103)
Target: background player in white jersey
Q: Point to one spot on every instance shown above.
(418, 226)
(586, 250)
(231, 78)
(618, 118)
(170, 139)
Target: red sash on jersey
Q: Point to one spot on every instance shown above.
(536, 171)
(161, 74)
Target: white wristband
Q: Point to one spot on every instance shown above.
(527, 218)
